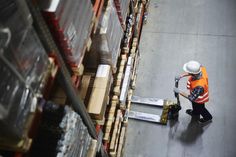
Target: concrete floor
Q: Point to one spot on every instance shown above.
(178, 31)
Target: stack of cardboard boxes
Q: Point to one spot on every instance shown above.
(100, 92)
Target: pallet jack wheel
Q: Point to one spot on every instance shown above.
(174, 111)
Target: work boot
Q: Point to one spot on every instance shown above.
(205, 121)
(190, 112)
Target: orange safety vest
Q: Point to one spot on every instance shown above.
(203, 82)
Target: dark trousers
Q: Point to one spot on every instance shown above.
(199, 109)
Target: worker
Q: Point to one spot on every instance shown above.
(198, 86)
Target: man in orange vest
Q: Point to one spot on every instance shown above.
(199, 93)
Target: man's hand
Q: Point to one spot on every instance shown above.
(177, 78)
(177, 90)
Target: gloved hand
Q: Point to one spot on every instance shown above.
(177, 78)
(177, 90)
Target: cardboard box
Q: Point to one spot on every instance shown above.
(98, 99)
(84, 86)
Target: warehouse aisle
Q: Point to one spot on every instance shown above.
(178, 31)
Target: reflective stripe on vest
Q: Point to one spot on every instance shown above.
(188, 85)
(203, 82)
(202, 99)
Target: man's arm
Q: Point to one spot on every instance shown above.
(184, 95)
(197, 91)
(184, 75)
(193, 95)
(178, 91)
(178, 77)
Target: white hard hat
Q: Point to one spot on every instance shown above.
(192, 67)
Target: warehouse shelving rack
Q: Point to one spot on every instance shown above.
(63, 73)
(65, 76)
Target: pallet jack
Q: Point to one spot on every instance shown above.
(170, 108)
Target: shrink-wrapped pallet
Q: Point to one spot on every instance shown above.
(28, 58)
(16, 103)
(106, 42)
(22, 47)
(62, 133)
(23, 67)
(70, 23)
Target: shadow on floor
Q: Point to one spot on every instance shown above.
(192, 132)
(189, 135)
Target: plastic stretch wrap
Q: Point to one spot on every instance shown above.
(24, 49)
(69, 22)
(75, 141)
(122, 7)
(29, 58)
(107, 41)
(62, 133)
(15, 104)
(15, 14)
(23, 64)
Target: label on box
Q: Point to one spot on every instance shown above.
(53, 6)
(103, 70)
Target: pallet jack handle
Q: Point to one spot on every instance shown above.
(177, 94)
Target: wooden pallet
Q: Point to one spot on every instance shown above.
(24, 144)
(134, 74)
(110, 118)
(137, 27)
(120, 75)
(133, 82)
(78, 71)
(121, 141)
(115, 133)
(120, 72)
(115, 99)
(92, 149)
(115, 128)
(125, 50)
(100, 122)
(128, 106)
